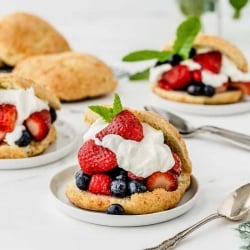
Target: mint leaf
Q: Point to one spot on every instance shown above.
(238, 5)
(142, 55)
(185, 36)
(108, 113)
(142, 75)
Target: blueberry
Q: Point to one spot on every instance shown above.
(118, 174)
(118, 188)
(82, 180)
(196, 89)
(192, 53)
(24, 140)
(136, 186)
(209, 90)
(52, 114)
(115, 209)
(175, 59)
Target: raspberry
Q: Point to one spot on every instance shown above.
(100, 184)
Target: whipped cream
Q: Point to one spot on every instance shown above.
(228, 70)
(141, 158)
(26, 103)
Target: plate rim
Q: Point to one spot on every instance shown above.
(112, 220)
(46, 157)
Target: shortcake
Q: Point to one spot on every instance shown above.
(133, 162)
(27, 115)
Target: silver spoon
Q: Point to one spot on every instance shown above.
(235, 207)
(188, 130)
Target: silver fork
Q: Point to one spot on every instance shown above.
(188, 130)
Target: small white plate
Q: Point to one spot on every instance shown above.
(58, 186)
(64, 144)
(224, 109)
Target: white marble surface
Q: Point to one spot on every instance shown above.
(110, 29)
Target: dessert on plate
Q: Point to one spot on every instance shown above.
(130, 162)
(24, 34)
(196, 68)
(71, 76)
(27, 114)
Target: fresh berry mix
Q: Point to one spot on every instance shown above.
(37, 125)
(179, 77)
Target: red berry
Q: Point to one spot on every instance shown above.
(166, 180)
(95, 159)
(243, 86)
(100, 184)
(177, 168)
(124, 124)
(196, 75)
(38, 124)
(178, 77)
(164, 85)
(8, 116)
(211, 61)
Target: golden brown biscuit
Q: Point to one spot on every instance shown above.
(141, 203)
(71, 76)
(11, 81)
(23, 35)
(227, 49)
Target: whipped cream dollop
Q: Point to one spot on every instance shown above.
(141, 158)
(26, 103)
(228, 70)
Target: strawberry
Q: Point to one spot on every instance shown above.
(100, 184)
(243, 86)
(178, 77)
(134, 177)
(94, 158)
(124, 124)
(177, 168)
(210, 61)
(8, 116)
(222, 88)
(166, 180)
(196, 75)
(38, 124)
(164, 85)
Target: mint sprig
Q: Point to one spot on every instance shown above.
(185, 35)
(238, 5)
(108, 113)
(244, 231)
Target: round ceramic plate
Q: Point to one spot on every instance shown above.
(227, 109)
(64, 144)
(58, 185)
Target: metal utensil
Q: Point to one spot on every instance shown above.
(234, 207)
(188, 130)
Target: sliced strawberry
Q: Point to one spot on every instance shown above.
(134, 177)
(2, 135)
(124, 124)
(38, 124)
(167, 180)
(177, 168)
(95, 159)
(222, 88)
(100, 184)
(8, 116)
(243, 86)
(178, 77)
(211, 61)
(164, 85)
(196, 75)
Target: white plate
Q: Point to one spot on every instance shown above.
(58, 185)
(225, 109)
(64, 144)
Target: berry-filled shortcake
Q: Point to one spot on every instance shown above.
(130, 162)
(27, 115)
(216, 72)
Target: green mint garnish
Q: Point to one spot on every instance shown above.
(238, 5)
(142, 55)
(108, 113)
(142, 75)
(185, 35)
(244, 230)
